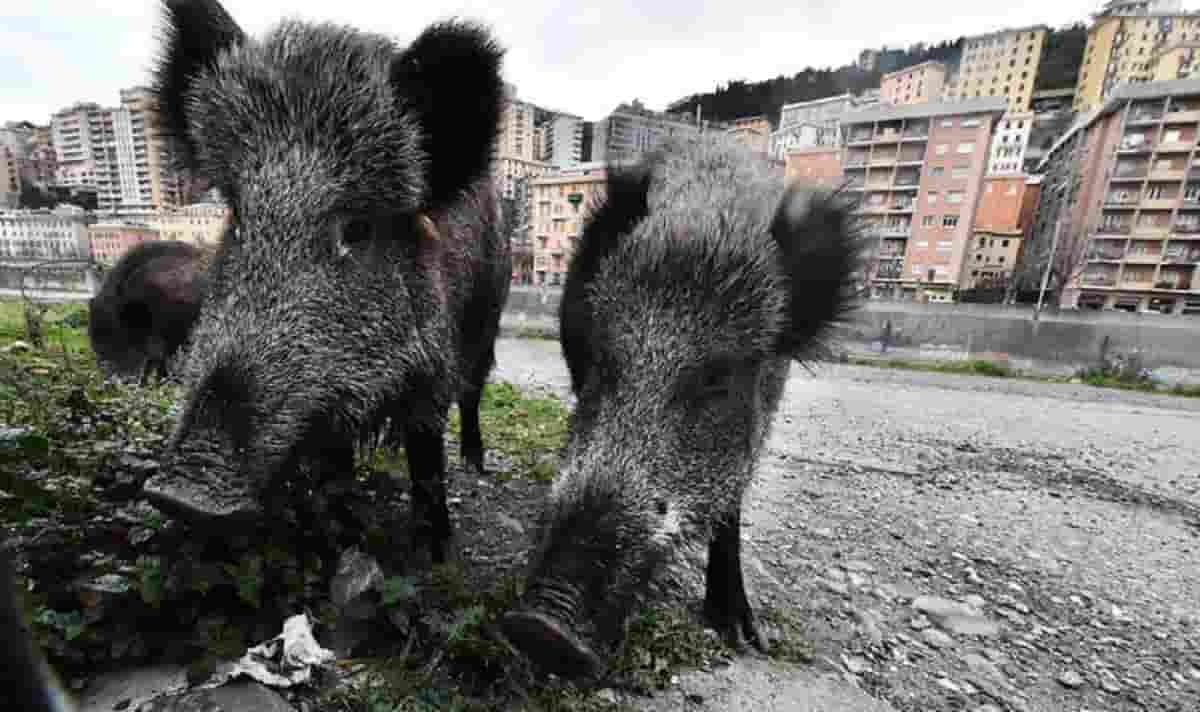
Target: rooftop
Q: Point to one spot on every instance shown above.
(812, 102)
(906, 70)
(928, 110)
(1006, 31)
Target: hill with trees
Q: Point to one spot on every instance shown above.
(1058, 69)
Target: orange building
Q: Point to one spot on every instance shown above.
(820, 165)
(915, 85)
(1003, 221)
(111, 240)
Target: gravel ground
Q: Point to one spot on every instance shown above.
(967, 543)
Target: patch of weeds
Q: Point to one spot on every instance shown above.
(659, 641)
(789, 645)
(1185, 390)
(524, 428)
(974, 367)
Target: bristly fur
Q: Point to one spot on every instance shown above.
(623, 205)
(696, 283)
(184, 56)
(146, 306)
(444, 75)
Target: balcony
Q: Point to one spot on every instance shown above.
(1170, 175)
(1128, 146)
(894, 231)
(887, 136)
(1183, 115)
(1128, 176)
(1143, 258)
(1158, 203)
(1150, 230)
(1120, 204)
(1098, 280)
(1186, 230)
(860, 139)
(883, 160)
(856, 162)
(901, 207)
(1145, 117)
(1114, 230)
(1104, 256)
(1174, 147)
(1178, 255)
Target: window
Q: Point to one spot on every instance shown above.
(922, 243)
(939, 171)
(929, 221)
(1004, 243)
(954, 196)
(947, 123)
(969, 123)
(933, 196)
(950, 221)
(960, 171)
(1012, 189)
(944, 245)
(979, 258)
(1173, 136)
(966, 147)
(983, 242)
(942, 149)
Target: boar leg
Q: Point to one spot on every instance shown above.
(472, 438)
(427, 467)
(725, 603)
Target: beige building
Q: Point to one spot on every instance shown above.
(10, 178)
(1125, 45)
(516, 135)
(913, 85)
(508, 171)
(108, 241)
(754, 132)
(1179, 61)
(200, 223)
(560, 203)
(1000, 64)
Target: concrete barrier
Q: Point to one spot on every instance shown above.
(1058, 342)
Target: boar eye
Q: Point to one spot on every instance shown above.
(716, 380)
(356, 232)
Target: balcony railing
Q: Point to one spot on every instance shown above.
(1129, 175)
(1115, 229)
(1099, 280)
(1186, 229)
(1145, 117)
(1104, 255)
(1126, 204)
(1135, 146)
(1143, 257)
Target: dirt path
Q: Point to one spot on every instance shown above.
(956, 542)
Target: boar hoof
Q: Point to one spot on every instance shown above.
(737, 628)
(550, 645)
(200, 499)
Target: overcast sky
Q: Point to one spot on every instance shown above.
(569, 56)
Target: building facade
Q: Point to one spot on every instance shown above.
(108, 241)
(1128, 205)
(36, 235)
(562, 140)
(913, 85)
(817, 166)
(10, 179)
(1003, 220)
(1010, 144)
(631, 130)
(200, 224)
(1000, 64)
(754, 132)
(919, 170)
(117, 151)
(515, 137)
(560, 204)
(507, 171)
(1122, 43)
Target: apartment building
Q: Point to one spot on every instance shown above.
(507, 171)
(1125, 45)
(199, 223)
(919, 170)
(1000, 64)
(562, 140)
(10, 179)
(117, 151)
(33, 235)
(1003, 220)
(913, 85)
(515, 138)
(108, 241)
(560, 204)
(631, 130)
(1130, 223)
(809, 124)
(1010, 144)
(754, 132)
(818, 166)
(1178, 61)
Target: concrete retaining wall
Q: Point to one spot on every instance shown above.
(1058, 341)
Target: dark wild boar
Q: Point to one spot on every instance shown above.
(143, 313)
(27, 682)
(698, 280)
(362, 276)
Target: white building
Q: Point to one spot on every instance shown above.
(32, 235)
(562, 140)
(803, 135)
(631, 130)
(1010, 143)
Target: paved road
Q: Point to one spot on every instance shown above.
(1060, 525)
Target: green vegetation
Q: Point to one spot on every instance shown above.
(1104, 376)
(61, 425)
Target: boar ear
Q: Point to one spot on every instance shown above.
(820, 245)
(625, 203)
(450, 78)
(196, 31)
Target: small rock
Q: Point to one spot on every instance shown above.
(1108, 683)
(1070, 679)
(607, 695)
(937, 638)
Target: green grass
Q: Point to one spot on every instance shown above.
(530, 430)
(973, 367)
(64, 325)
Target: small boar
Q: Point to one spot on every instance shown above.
(361, 278)
(144, 312)
(26, 681)
(698, 279)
